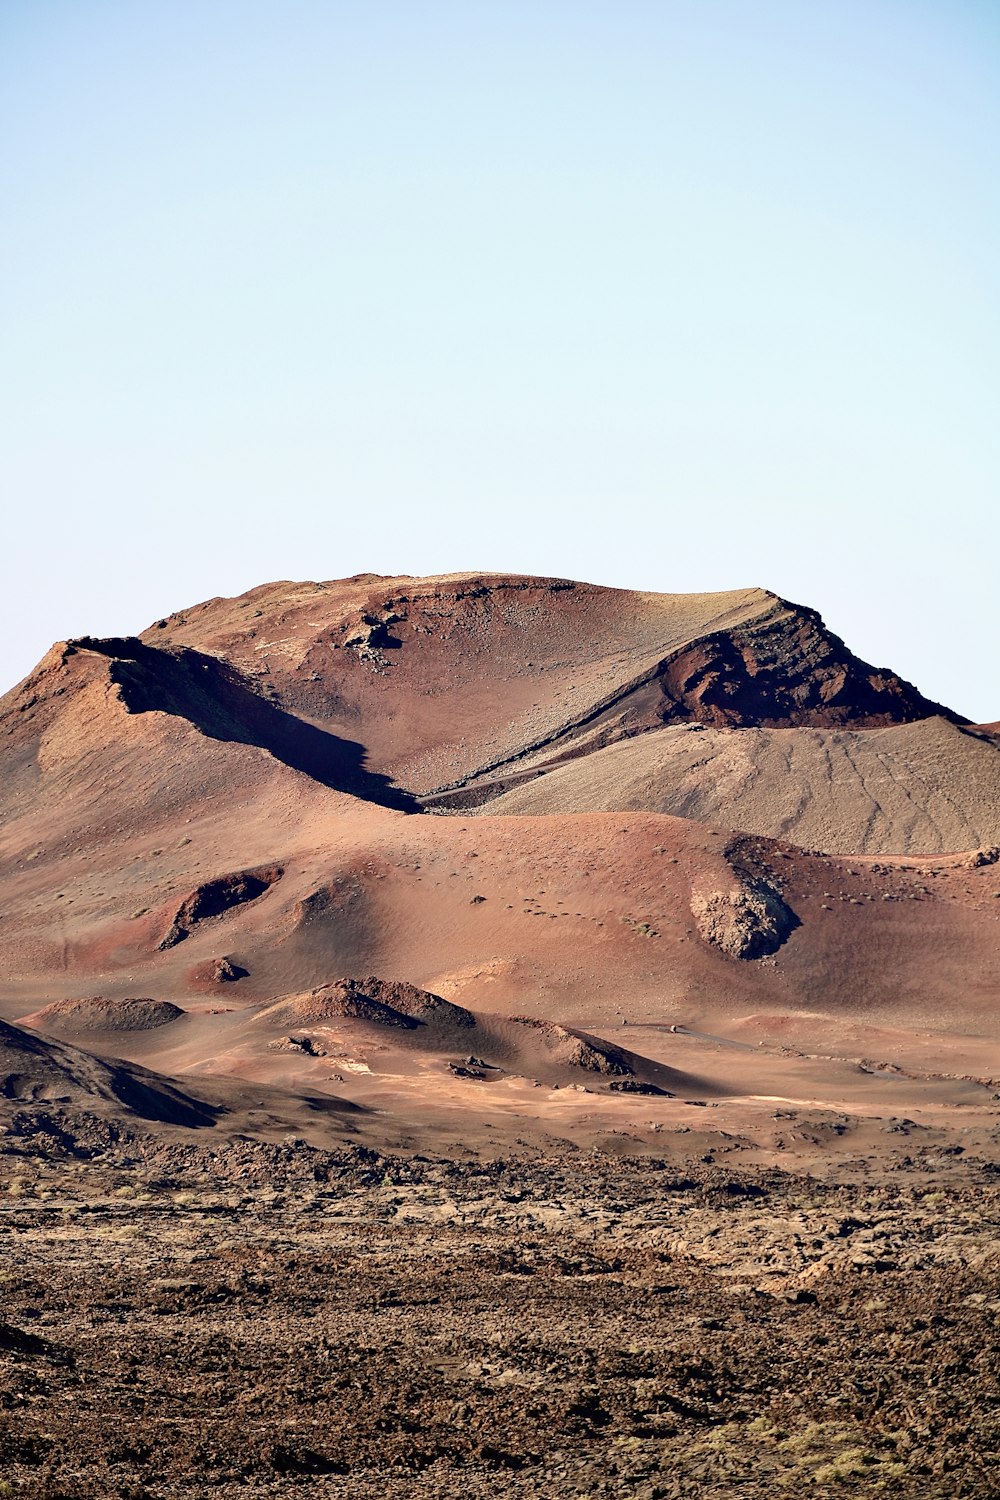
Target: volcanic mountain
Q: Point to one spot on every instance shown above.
(449, 681)
(531, 797)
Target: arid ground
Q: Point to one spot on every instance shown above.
(275, 1320)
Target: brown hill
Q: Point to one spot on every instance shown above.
(458, 691)
(377, 1001)
(446, 679)
(34, 1070)
(244, 779)
(387, 1028)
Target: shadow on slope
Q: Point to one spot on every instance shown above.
(215, 698)
(34, 1070)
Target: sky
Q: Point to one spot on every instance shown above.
(682, 296)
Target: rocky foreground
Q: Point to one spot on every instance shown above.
(268, 1320)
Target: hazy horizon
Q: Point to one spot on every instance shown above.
(662, 296)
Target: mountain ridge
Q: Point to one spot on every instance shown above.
(469, 691)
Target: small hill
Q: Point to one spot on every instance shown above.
(576, 1049)
(378, 1002)
(569, 1056)
(525, 1046)
(97, 1013)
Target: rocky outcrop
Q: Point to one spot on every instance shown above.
(749, 920)
(578, 1049)
(785, 669)
(420, 1005)
(223, 970)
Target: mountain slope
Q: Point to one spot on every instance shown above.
(34, 1070)
(449, 693)
(249, 802)
(923, 788)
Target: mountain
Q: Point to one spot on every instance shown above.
(448, 693)
(582, 806)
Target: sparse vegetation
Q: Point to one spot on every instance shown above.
(643, 929)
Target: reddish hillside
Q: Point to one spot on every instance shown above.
(235, 798)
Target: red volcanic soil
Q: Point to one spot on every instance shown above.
(248, 779)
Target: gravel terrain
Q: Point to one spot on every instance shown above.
(276, 1320)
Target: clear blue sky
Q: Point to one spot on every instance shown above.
(665, 295)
